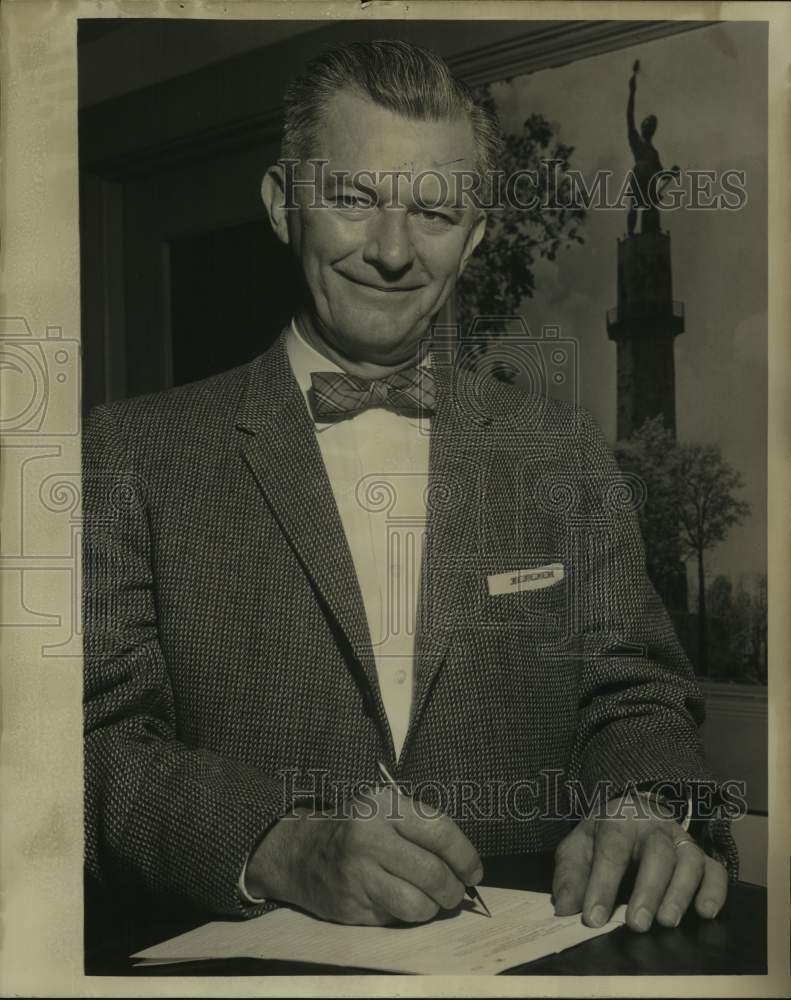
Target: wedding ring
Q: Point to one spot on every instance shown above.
(682, 841)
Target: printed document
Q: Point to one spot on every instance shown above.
(522, 928)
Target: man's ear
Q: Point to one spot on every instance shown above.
(474, 237)
(273, 195)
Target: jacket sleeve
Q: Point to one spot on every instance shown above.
(640, 706)
(178, 820)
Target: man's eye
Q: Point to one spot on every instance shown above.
(349, 201)
(436, 219)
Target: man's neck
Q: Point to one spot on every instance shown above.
(364, 369)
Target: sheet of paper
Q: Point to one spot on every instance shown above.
(522, 928)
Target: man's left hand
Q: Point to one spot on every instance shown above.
(672, 870)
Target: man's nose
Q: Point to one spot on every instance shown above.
(389, 245)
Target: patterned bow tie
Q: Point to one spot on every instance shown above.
(337, 395)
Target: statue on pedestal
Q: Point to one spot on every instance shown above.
(649, 177)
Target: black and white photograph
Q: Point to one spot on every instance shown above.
(392, 505)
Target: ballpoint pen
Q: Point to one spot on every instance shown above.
(470, 890)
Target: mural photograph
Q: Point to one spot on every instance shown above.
(658, 275)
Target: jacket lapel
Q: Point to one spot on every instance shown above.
(281, 451)
(449, 570)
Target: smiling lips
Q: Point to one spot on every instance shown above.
(382, 288)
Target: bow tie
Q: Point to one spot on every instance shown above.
(337, 395)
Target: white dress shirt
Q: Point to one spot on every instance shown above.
(377, 464)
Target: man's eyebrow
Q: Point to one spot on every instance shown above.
(450, 205)
(345, 178)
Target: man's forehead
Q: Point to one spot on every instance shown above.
(358, 134)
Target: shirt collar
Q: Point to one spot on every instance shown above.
(304, 359)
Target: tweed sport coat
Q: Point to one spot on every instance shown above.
(228, 660)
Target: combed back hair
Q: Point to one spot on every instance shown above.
(407, 79)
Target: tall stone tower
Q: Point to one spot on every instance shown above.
(644, 325)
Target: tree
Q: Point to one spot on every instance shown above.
(737, 628)
(499, 276)
(690, 507)
(758, 629)
(728, 628)
(708, 508)
(648, 454)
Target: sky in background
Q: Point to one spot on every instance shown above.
(708, 89)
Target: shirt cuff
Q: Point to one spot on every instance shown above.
(252, 900)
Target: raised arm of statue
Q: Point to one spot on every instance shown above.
(634, 136)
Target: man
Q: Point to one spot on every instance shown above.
(242, 661)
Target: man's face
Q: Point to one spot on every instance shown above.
(378, 274)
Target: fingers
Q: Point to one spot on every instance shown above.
(591, 861)
(713, 889)
(612, 851)
(439, 835)
(573, 858)
(378, 871)
(657, 867)
(422, 869)
(690, 862)
(692, 872)
(399, 899)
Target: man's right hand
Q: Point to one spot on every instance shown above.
(390, 859)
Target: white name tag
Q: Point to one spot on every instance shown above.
(525, 579)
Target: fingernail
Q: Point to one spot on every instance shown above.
(477, 875)
(642, 919)
(708, 909)
(598, 915)
(671, 914)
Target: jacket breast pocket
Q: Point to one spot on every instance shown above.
(528, 597)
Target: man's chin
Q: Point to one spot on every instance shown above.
(399, 353)
(374, 343)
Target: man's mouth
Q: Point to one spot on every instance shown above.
(378, 287)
